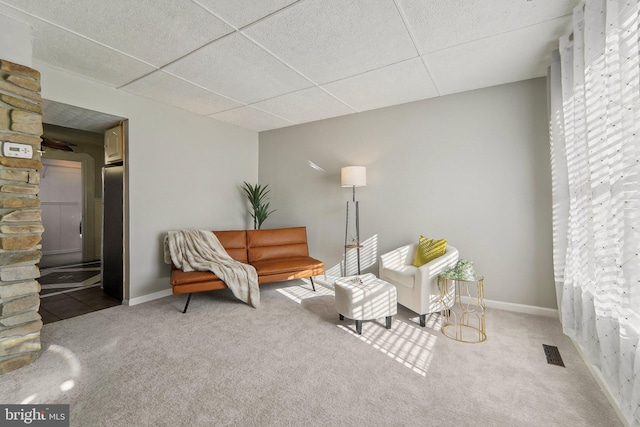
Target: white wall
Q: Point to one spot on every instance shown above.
(16, 43)
(471, 167)
(184, 170)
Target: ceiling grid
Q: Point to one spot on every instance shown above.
(265, 65)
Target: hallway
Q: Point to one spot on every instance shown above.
(72, 290)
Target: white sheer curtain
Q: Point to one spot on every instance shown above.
(594, 90)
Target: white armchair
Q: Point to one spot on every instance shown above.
(417, 286)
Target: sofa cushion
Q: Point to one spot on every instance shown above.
(277, 243)
(179, 277)
(404, 275)
(286, 265)
(428, 250)
(235, 243)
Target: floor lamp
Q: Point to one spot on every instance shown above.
(353, 176)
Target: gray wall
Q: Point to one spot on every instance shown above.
(471, 167)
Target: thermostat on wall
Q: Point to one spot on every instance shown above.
(12, 149)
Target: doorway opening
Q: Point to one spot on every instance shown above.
(61, 203)
(73, 214)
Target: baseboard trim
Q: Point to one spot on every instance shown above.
(518, 308)
(597, 375)
(508, 306)
(148, 297)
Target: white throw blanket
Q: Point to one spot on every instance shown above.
(200, 250)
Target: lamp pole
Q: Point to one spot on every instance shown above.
(353, 176)
(346, 232)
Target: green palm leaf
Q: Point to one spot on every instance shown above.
(257, 196)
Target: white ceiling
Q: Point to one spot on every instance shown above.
(269, 64)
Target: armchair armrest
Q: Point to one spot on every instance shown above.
(434, 267)
(397, 258)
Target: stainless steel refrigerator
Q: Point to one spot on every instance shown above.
(113, 231)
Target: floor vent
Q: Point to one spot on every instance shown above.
(553, 355)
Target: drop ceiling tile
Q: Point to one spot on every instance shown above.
(235, 67)
(306, 105)
(70, 52)
(156, 31)
(518, 55)
(171, 90)
(78, 55)
(332, 39)
(399, 83)
(242, 12)
(441, 24)
(250, 118)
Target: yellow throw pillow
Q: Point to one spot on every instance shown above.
(428, 250)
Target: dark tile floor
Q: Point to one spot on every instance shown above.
(72, 290)
(76, 303)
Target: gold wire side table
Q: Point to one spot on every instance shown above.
(464, 311)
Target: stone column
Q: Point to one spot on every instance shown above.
(20, 217)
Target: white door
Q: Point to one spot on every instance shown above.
(61, 201)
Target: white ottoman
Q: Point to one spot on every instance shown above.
(365, 297)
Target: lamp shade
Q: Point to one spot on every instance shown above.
(354, 176)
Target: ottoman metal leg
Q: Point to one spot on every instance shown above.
(341, 316)
(423, 319)
(388, 322)
(359, 327)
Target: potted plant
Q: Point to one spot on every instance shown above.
(257, 196)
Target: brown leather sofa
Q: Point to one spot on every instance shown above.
(277, 255)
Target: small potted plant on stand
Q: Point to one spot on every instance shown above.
(257, 196)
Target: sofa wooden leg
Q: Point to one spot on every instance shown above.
(423, 319)
(312, 285)
(187, 304)
(388, 322)
(359, 327)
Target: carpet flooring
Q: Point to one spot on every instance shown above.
(292, 362)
